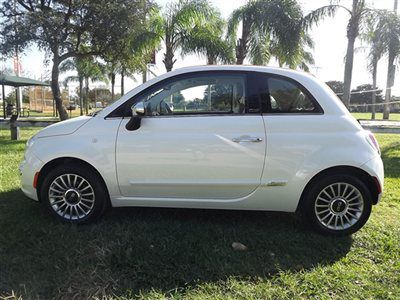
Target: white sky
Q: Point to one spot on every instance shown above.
(330, 47)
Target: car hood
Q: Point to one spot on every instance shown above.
(64, 127)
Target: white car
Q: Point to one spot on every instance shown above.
(216, 137)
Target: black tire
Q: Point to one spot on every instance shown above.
(98, 203)
(313, 207)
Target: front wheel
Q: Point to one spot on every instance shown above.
(74, 194)
(338, 204)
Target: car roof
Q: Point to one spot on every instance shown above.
(266, 69)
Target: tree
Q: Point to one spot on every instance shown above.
(67, 29)
(359, 14)
(374, 38)
(363, 94)
(132, 53)
(178, 21)
(206, 38)
(100, 94)
(88, 69)
(337, 87)
(274, 28)
(389, 30)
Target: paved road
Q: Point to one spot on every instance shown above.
(381, 126)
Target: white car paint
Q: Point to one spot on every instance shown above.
(193, 162)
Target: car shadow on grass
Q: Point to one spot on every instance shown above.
(133, 250)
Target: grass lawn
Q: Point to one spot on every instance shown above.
(378, 116)
(187, 254)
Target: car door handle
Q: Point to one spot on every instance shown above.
(247, 139)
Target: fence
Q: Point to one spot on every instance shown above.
(15, 124)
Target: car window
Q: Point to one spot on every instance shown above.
(198, 95)
(286, 97)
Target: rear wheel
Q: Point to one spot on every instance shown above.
(74, 194)
(338, 204)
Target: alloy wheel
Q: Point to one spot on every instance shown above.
(339, 206)
(71, 196)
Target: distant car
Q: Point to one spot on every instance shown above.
(244, 137)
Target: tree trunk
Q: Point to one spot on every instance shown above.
(241, 46)
(55, 88)
(211, 60)
(122, 82)
(144, 76)
(390, 75)
(374, 72)
(348, 71)
(352, 33)
(87, 95)
(168, 60)
(389, 84)
(81, 94)
(112, 75)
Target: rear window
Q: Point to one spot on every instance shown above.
(287, 97)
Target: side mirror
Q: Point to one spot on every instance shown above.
(137, 112)
(138, 109)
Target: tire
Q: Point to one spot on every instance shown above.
(74, 194)
(337, 204)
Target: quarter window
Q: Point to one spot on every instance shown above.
(198, 95)
(286, 97)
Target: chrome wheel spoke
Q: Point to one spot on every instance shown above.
(55, 190)
(326, 216)
(354, 198)
(81, 209)
(341, 221)
(323, 200)
(71, 196)
(57, 202)
(345, 190)
(333, 191)
(84, 205)
(63, 182)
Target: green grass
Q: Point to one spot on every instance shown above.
(186, 254)
(378, 116)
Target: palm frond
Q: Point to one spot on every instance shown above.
(233, 23)
(318, 14)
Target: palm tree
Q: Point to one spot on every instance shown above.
(274, 28)
(88, 69)
(146, 42)
(389, 24)
(206, 38)
(373, 36)
(177, 23)
(359, 14)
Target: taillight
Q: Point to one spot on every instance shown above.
(373, 142)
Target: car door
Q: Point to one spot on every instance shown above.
(200, 138)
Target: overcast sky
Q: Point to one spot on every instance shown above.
(330, 47)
